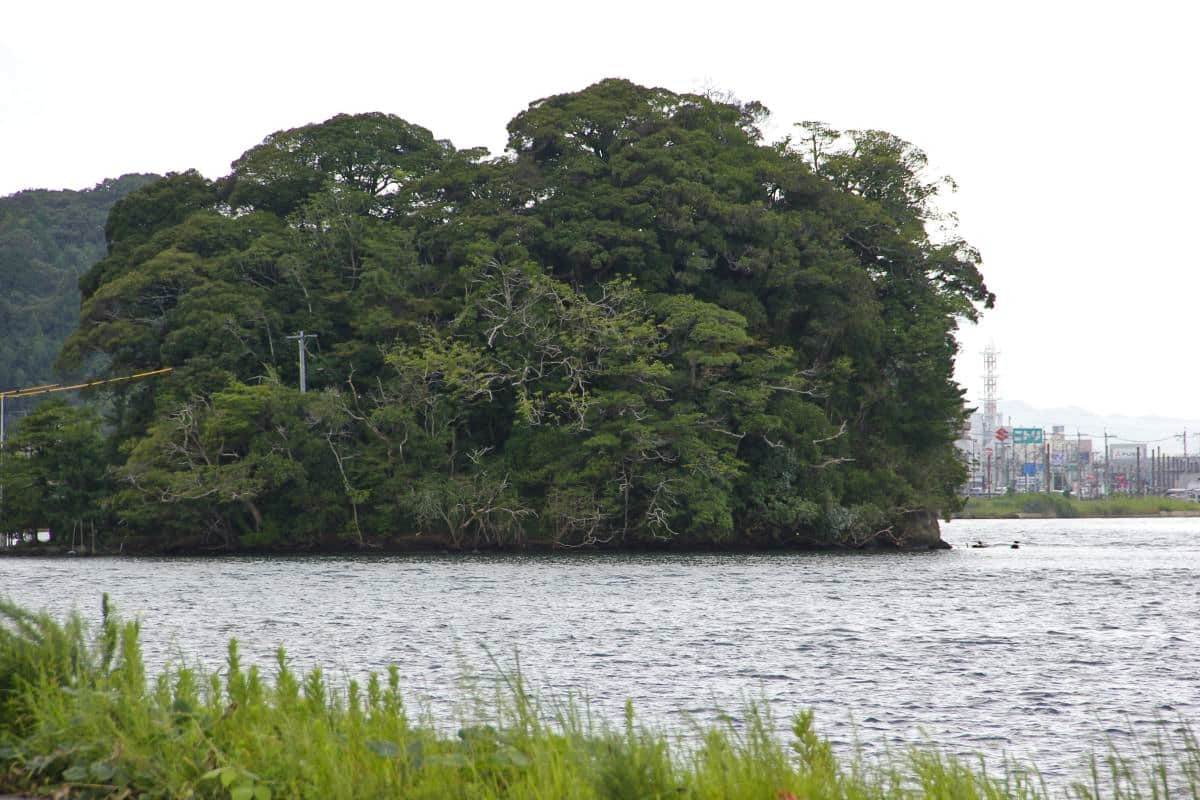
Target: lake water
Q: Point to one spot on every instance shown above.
(1089, 630)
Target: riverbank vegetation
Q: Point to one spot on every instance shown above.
(1058, 505)
(80, 717)
(643, 324)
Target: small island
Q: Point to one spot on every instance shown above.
(642, 326)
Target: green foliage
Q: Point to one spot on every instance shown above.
(242, 466)
(643, 326)
(1055, 505)
(54, 470)
(79, 717)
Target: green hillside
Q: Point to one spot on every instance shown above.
(47, 240)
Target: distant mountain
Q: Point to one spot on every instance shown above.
(1158, 431)
(47, 240)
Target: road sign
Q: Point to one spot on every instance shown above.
(987, 451)
(1029, 469)
(1027, 436)
(1002, 434)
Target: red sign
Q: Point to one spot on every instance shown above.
(1002, 434)
(987, 451)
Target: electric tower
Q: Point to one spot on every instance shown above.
(989, 422)
(991, 418)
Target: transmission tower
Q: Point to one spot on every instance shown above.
(988, 422)
(991, 418)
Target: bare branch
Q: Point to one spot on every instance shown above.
(841, 432)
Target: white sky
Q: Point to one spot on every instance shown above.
(1069, 126)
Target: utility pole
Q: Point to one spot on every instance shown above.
(1079, 461)
(1046, 468)
(1107, 467)
(1008, 462)
(301, 338)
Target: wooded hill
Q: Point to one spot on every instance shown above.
(641, 325)
(47, 240)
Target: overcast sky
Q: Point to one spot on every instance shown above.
(1069, 127)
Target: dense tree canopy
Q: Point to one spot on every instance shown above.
(642, 324)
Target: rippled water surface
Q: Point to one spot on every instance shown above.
(1089, 630)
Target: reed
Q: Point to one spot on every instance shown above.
(79, 717)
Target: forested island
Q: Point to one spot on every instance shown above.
(644, 325)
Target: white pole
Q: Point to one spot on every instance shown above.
(303, 370)
(301, 338)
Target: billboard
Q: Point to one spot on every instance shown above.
(1029, 469)
(1027, 436)
(1129, 451)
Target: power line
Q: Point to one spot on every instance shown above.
(1142, 441)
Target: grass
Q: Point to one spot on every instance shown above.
(1056, 505)
(79, 717)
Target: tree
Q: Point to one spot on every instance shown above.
(643, 324)
(54, 472)
(374, 154)
(247, 466)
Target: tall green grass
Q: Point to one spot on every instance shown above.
(1056, 505)
(79, 717)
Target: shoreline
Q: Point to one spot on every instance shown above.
(51, 551)
(417, 545)
(1044, 515)
(920, 533)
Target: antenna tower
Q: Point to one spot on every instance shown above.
(991, 418)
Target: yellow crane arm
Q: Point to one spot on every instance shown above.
(30, 391)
